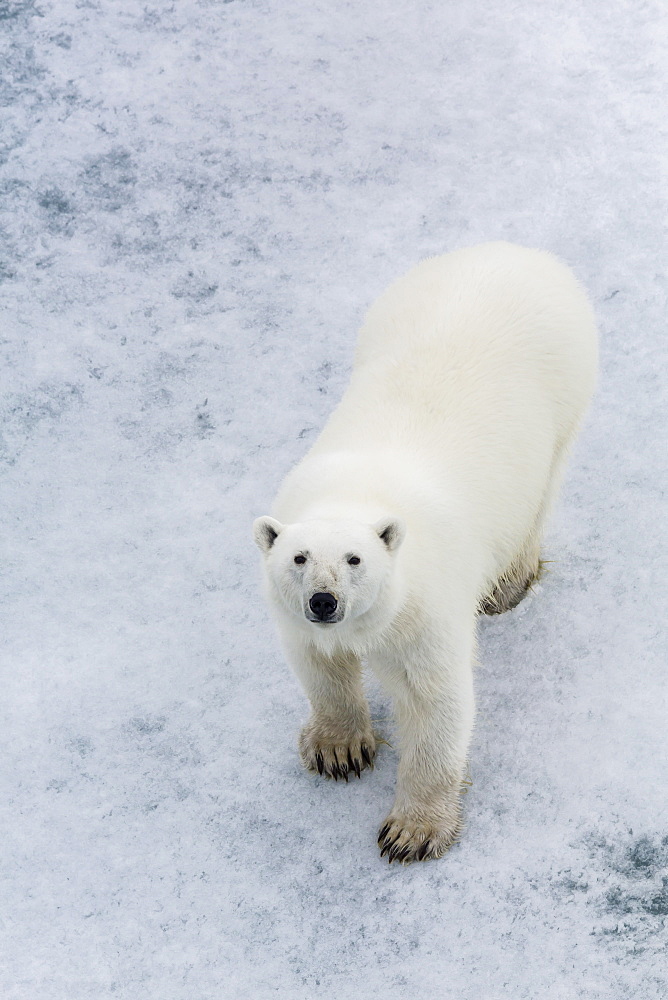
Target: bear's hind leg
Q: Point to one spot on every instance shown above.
(514, 584)
(527, 568)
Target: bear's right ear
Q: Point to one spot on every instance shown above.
(265, 532)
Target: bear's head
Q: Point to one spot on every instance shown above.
(329, 573)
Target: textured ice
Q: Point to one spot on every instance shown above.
(199, 200)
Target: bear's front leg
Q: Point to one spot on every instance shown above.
(338, 740)
(431, 681)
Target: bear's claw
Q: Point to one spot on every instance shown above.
(336, 759)
(383, 832)
(407, 841)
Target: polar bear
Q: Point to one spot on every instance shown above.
(421, 504)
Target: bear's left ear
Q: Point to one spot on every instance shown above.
(391, 531)
(265, 532)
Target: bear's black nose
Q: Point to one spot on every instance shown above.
(323, 606)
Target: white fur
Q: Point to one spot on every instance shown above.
(471, 375)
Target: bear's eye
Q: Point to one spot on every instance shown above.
(354, 561)
(300, 560)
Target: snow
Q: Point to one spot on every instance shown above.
(199, 200)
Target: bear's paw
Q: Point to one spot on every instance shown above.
(406, 839)
(336, 756)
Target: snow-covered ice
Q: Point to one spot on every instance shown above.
(199, 199)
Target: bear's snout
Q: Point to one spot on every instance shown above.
(323, 606)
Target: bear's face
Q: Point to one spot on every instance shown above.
(328, 572)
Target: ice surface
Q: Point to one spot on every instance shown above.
(199, 200)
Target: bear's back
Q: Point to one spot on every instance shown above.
(490, 301)
(472, 372)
